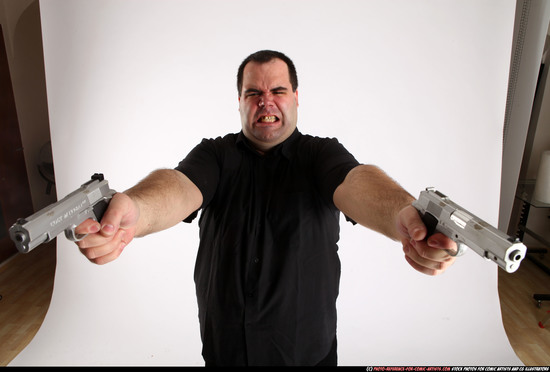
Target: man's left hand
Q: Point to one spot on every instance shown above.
(429, 256)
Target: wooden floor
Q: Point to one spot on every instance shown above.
(26, 284)
(520, 314)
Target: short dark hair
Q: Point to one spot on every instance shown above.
(264, 56)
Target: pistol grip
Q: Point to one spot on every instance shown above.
(431, 225)
(100, 208)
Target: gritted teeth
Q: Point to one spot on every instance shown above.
(268, 119)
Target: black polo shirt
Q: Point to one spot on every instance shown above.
(267, 271)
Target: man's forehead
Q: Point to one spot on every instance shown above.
(274, 71)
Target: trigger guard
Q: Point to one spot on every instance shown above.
(72, 236)
(461, 249)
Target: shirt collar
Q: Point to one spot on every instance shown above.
(286, 148)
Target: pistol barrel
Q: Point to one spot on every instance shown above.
(64, 215)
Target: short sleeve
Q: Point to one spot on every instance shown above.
(201, 166)
(332, 165)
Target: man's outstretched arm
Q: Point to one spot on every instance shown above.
(371, 198)
(161, 200)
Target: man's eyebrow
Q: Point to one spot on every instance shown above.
(276, 89)
(252, 90)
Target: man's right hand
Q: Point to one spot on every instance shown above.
(105, 241)
(161, 200)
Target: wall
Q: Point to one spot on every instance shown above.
(527, 128)
(21, 24)
(539, 217)
(531, 25)
(418, 88)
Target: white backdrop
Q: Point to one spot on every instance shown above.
(416, 87)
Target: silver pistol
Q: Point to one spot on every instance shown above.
(89, 201)
(440, 214)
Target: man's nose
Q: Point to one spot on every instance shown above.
(265, 100)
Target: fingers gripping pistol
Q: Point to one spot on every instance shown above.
(440, 214)
(89, 201)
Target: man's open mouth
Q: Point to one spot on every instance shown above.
(268, 119)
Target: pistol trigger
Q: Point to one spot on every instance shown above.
(80, 236)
